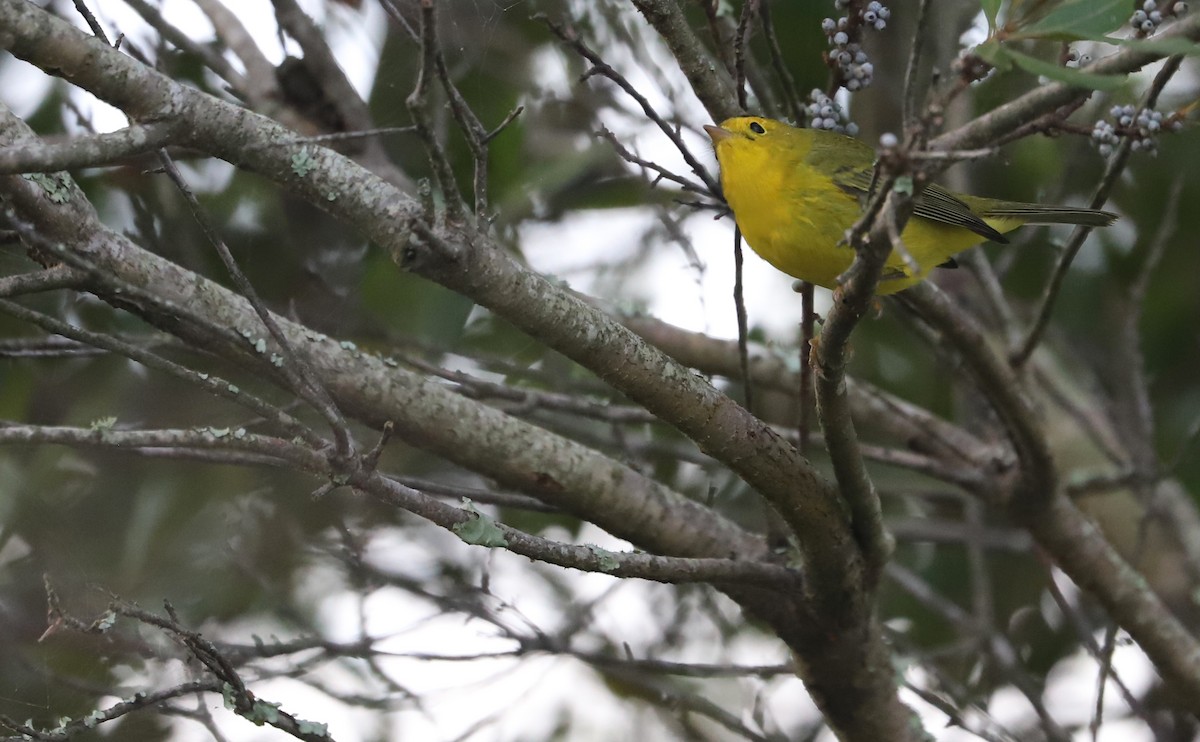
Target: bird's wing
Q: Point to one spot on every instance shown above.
(934, 203)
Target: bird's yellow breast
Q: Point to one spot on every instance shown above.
(796, 217)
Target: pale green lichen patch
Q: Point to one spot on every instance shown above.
(57, 186)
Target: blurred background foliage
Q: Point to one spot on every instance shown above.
(238, 546)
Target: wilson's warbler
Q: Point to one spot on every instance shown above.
(795, 192)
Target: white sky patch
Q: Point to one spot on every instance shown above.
(669, 284)
(1074, 698)
(549, 72)
(24, 87)
(976, 33)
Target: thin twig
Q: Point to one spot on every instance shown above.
(1085, 633)
(418, 107)
(49, 279)
(90, 19)
(321, 63)
(661, 172)
(208, 382)
(808, 325)
(600, 67)
(243, 701)
(468, 123)
(911, 93)
(299, 373)
(1116, 165)
(511, 117)
(211, 59)
(998, 647)
(739, 305)
(786, 82)
(741, 39)
(998, 381)
(1136, 425)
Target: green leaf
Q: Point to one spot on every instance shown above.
(1004, 58)
(990, 9)
(1078, 19)
(479, 530)
(994, 54)
(1067, 75)
(1168, 46)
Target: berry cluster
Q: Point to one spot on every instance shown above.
(847, 54)
(875, 14)
(825, 113)
(1150, 16)
(1140, 126)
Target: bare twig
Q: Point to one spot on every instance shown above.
(1116, 165)
(911, 91)
(91, 21)
(241, 699)
(808, 325)
(786, 82)
(710, 81)
(1073, 540)
(740, 41)
(468, 123)
(49, 279)
(661, 172)
(600, 67)
(300, 375)
(1134, 414)
(209, 383)
(213, 60)
(260, 73)
(419, 108)
(586, 558)
(998, 646)
(320, 62)
(739, 305)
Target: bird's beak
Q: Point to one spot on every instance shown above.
(717, 134)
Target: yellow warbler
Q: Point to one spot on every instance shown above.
(795, 192)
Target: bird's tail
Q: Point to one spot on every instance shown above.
(1044, 214)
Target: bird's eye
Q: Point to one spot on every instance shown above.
(757, 128)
